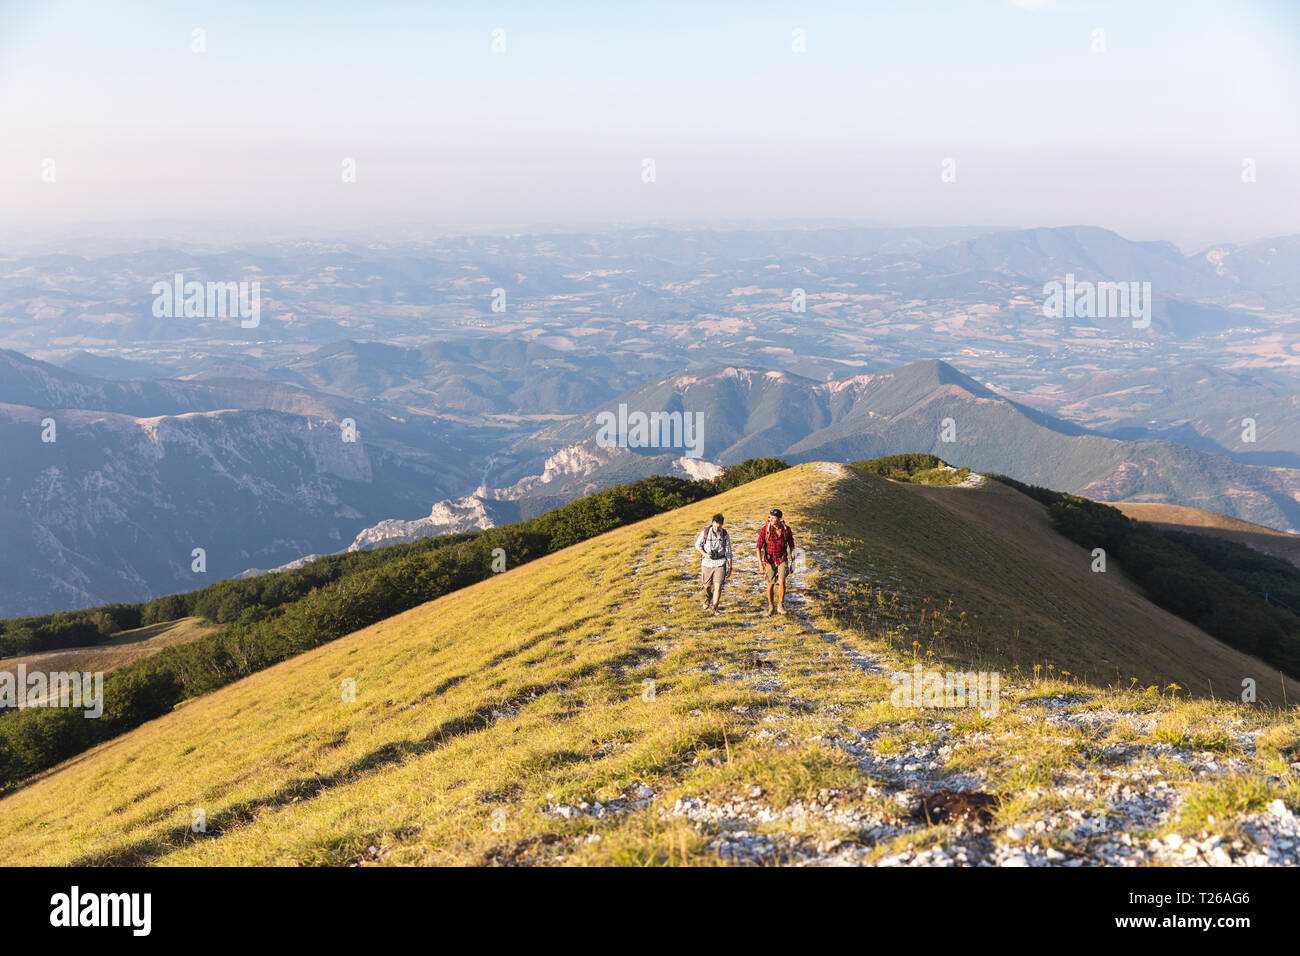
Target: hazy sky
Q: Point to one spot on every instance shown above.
(1147, 137)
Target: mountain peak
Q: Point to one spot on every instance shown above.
(918, 380)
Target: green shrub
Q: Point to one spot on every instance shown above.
(734, 475)
(900, 467)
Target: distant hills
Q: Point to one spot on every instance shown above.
(1194, 404)
(801, 343)
(470, 375)
(140, 474)
(316, 293)
(1286, 547)
(757, 412)
(1091, 253)
(256, 472)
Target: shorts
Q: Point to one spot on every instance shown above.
(771, 572)
(712, 579)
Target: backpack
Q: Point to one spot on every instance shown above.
(715, 551)
(781, 535)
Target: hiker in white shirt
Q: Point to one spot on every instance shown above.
(715, 545)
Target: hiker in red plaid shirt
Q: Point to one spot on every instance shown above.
(775, 547)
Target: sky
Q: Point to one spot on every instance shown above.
(1006, 112)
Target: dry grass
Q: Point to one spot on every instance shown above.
(479, 714)
(124, 648)
(1178, 518)
(1040, 602)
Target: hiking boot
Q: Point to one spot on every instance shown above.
(706, 605)
(780, 609)
(768, 612)
(713, 609)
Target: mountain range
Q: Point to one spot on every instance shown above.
(176, 434)
(766, 413)
(141, 474)
(257, 473)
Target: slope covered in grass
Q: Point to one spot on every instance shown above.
(284, 614)
(121, 649)
(1279, 544)
(1040, 602)
(583, 708)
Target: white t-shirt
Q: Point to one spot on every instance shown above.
(711, 540)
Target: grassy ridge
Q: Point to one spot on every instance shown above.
(123, 648)
(488, 726)
(1007, 590)
(391, 581)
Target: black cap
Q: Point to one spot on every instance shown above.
(777, 512)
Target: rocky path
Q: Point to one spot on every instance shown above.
(1115, 808)
(1115, 793)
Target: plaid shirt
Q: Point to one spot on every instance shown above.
(775, 547)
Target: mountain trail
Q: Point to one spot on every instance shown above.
(923, 783)
(584, 708)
